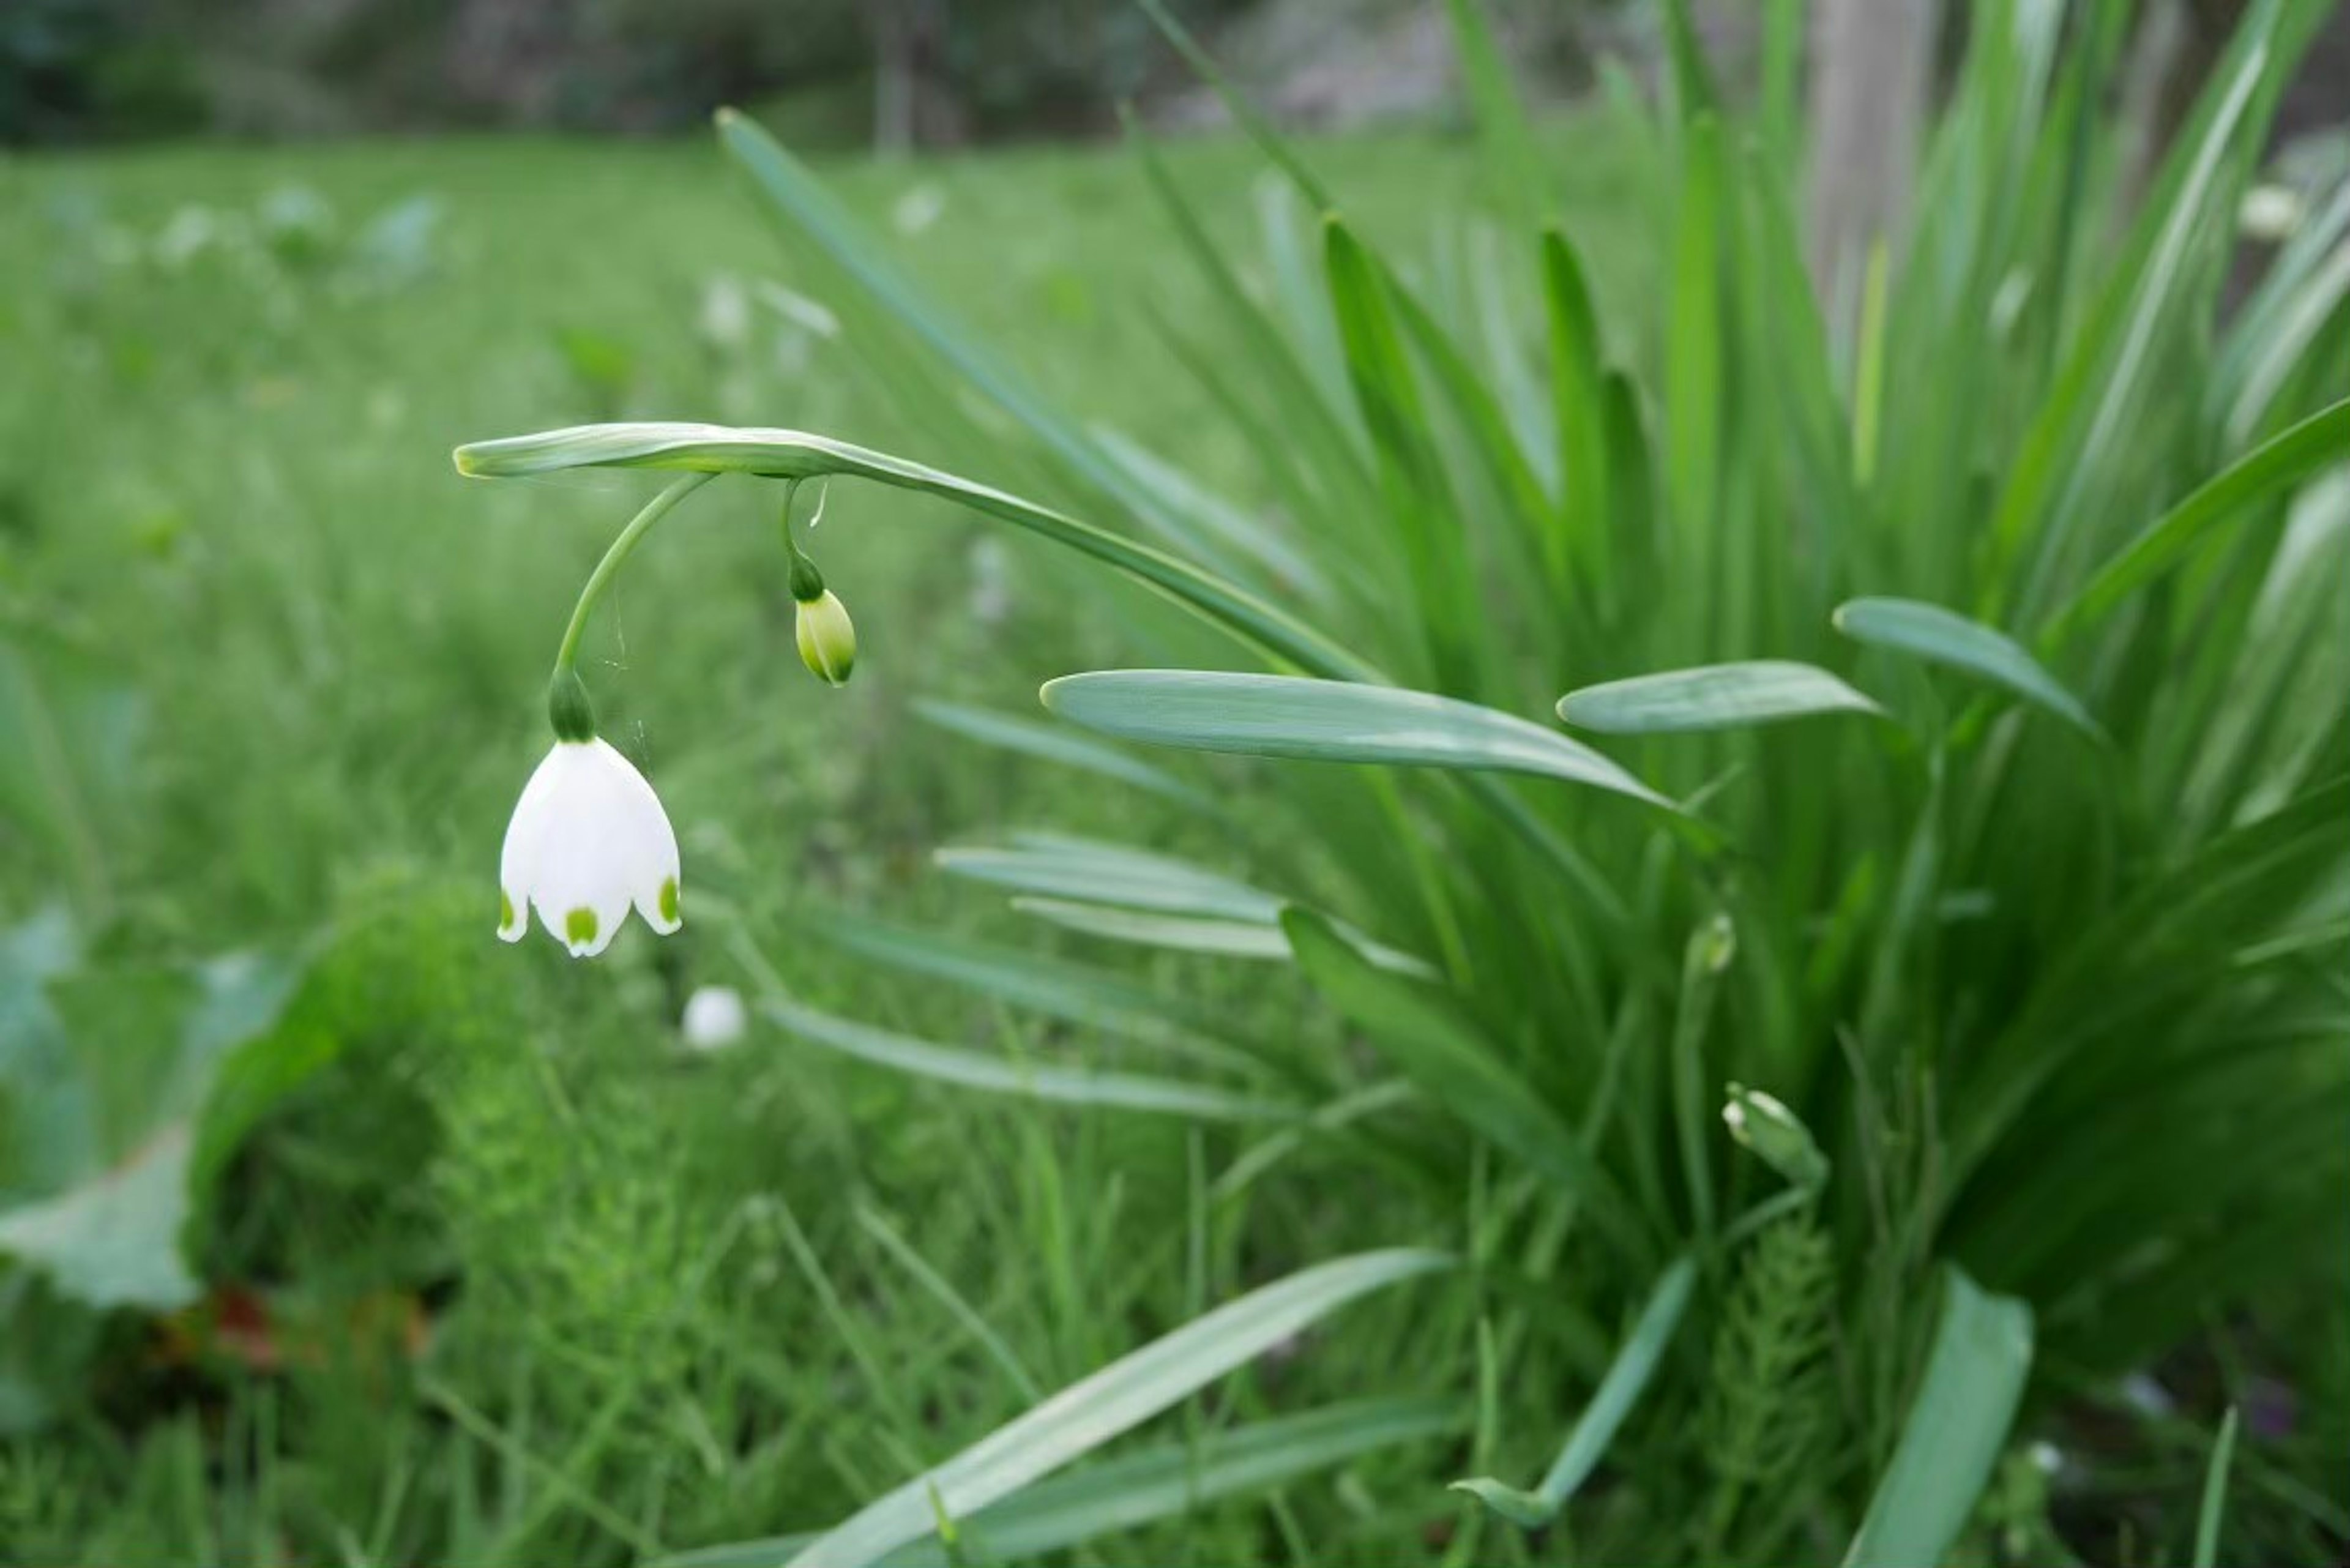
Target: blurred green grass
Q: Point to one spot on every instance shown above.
(234, 480)
(224, 471)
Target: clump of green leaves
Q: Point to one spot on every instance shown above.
(1955, 667)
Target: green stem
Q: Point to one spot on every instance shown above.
(659, 507)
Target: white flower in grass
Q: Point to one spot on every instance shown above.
(588, 838)
(715, 1018)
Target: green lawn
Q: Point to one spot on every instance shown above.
(652, 1299)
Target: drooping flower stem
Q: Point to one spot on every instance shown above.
(567, 708)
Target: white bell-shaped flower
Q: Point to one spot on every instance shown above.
(588, 838)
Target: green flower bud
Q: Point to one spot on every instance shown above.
(1773, 1132)
(827, 640)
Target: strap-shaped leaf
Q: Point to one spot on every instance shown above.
(1092, 998)
(1327, 720)
(1712, 697)
(1220, 939)
(1093, 1410)
(1053, 744)
(1954, 1431)
(1087, 872)
(1002, 1076)
(796, 455)
(1161, 1481)
(1627, 1376)
(1944, 636)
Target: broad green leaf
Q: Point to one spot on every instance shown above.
(1002, 1076)
(1627, 1377)
(1054, 743)
(1944, 636)
(113, 1239)
(1327, 720)
(31, 1038)
(1092, 1411)
(1712, 697)
(1954, 1432)
(2215, 1494)
(796, 455)
(1422, 1031)
(1166, 1480)
(127, 1140)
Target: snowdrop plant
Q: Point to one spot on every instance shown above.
(1834, 804)
(588, 840)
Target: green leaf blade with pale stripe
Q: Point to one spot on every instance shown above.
(1940, 636)
(1095, 1409)
(1712, 697)
(1328, 720)
(1627, 1377)
(1954, 1432)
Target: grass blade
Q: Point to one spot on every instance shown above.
(1162, 1481)
(2277, 465)
(2215, 1495)
(1092, 1411)
(1073, 992)
(1327, 720)
(1220, 939)
(1954, 1432)
(995, 1075)
(1054, 743)
(1111, 874)
(1939, 635)
(1712, 697)
(1501, 116)
(1626, 1378)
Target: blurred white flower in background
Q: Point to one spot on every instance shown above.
(918, 209)
(2271, 213)
(715, 1018)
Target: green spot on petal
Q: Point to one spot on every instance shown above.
(579, 925)
(505, 911)
(668, 899)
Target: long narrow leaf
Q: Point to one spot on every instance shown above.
(1327, 720)
(796, 455)
(1182, 933)
(996, 1075)
(1712, 697)
(1092, 1411)
(1054, 743)
(1944, 636)
(1165, 1481)
(1954, 1432)
(1626, 1378)
(2277, 465)
(1054, 987)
